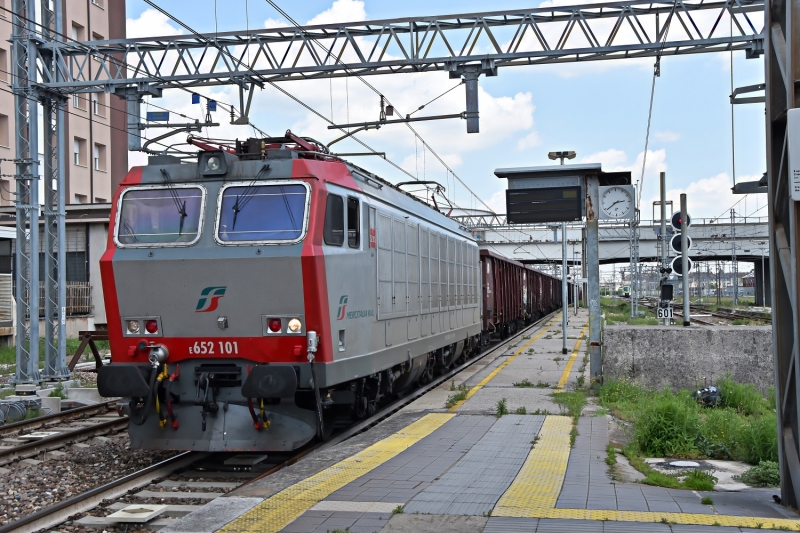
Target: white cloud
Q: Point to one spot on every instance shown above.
(667, 136)
(341, 11)
(531, 140)
(150, 23)
(275, 23)
(711, 197)
(609, 158)
(498, 201)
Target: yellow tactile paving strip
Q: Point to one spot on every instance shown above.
(538, 483)
(567, 369)
(535, 490)
(276, 512)
(505, 363)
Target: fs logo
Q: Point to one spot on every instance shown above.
(209, 299)
(342, 306)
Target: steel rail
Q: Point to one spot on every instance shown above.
(42, 421)
(37, 446)
(61, 511)
(395, 406)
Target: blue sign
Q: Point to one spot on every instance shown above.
(195, 98)
(158, 116)
(212, 105)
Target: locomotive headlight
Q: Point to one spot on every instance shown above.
(213, 163)
(295, 325)
(133, 326)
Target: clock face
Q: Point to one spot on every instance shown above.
(616, 202)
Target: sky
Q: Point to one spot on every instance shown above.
(598, 109)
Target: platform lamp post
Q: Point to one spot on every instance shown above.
(564, 298)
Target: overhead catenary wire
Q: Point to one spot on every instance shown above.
(656, 74)
(377, 92)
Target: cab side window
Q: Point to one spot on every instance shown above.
(353, 223)
(333, 232)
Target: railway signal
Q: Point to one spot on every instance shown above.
(677, 265)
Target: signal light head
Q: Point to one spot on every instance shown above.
(151, 326)
(274, 325)
(677, 220)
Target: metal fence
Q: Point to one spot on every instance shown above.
(79, 298)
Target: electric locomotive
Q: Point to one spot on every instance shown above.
(258, 293)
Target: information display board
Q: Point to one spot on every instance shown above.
(540, 205)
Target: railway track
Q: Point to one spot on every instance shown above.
(26, 443)
(723, 317)
(81, 503)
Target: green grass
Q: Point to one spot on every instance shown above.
(8, 353)
(695, 480)
(707, 501)
(460, 395)
(502, 408)
(398, 510)
(764, 474)
(521, 411)
(525, 383)
(542, 385)
(667, 424)
(611, 455)
(58, 392)
(571, 402)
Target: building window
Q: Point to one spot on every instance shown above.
(77, 33)
(80, 199)
(98, 3)
(4, 131)
(100, 157)
(79, 152)
(4, 69)
(97, 37)
(76, 101)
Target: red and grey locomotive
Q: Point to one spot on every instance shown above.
(259, 292)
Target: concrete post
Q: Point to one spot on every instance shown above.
(593, 270)
(564, 299)
(687, 321)
(662, 238)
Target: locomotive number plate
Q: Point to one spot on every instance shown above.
(214, 348)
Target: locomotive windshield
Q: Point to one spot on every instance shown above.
(274, 212)
(160, 216)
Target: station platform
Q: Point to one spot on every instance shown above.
(461, 468)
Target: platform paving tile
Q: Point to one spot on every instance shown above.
(475, 483)
(353, 522)
(681, 528)
(553, 525)
(403, 476)
(586, 482)
(635, 527)
(503, 524)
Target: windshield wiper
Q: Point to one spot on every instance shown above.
(175, 198)
(243, 199)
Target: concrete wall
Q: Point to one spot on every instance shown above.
(682, 358)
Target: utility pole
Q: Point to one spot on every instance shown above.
(735, 265)
(564, 301)
(685, 260)
(662, 238)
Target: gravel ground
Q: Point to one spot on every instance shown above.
(25, 488)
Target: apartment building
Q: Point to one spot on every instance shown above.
(96, 162)
(95, 128)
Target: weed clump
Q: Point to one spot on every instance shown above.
(668, 424)
(764, 474)
(525, 383)
(502, 408)
(521, 411)
(459, 396)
